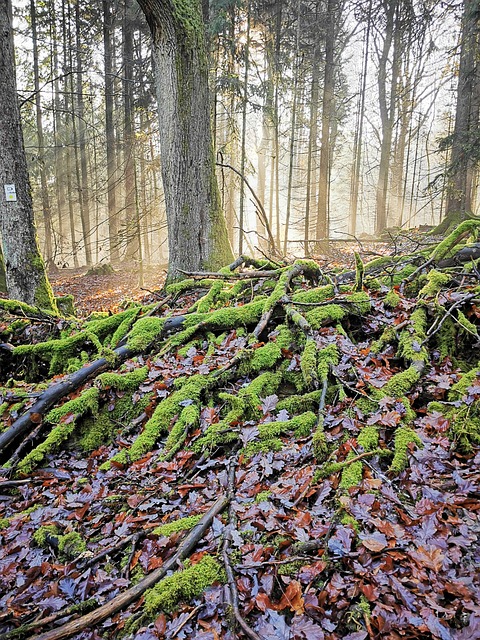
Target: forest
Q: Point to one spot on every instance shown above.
(239, 319)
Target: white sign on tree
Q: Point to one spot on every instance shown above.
(10, 193)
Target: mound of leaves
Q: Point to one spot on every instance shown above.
(273, 451)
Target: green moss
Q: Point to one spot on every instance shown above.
(352, 474)
(392, 299)
(308, 364)
(144, 332)
(319, 443)
(388, 336)
(348, 520)
(318, 294)
(262, 496)
(264, 358)
(290, 568)
(44, 297)
(279, 291)
(335, 467)
(411, 338)
(446, 338)
(297, 404)
(66, 305)
(436, 281)
(444, 248)
(182, 524)
(368, 438)
(160, 421)
(465, 323)
(127, 382)
(404, 437)
(244, 405)
(327, 358)
(284, 337)
(187, 420)
(4, 522)
(182, 286)
(372, 284)
(43, 534)
(64, 418)
(71, 545)
(124, 327)
(208, 301)
(268, 433)
(360, 301)
(401, 383)
(460, 388)
(183, 585)
(364, 606)
(359, 272)
(320, 316)
(59, 352)
(86, 402)
(96, 431)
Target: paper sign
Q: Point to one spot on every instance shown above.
(10, 193)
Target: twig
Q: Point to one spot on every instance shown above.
(448, 313)
(187, 619)
(135, 538)
(131, 595)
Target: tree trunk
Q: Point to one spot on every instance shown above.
(131, 227)
(465, 133)
(196, 226)
(69, 127)
(110, 132)
(358, 140)
(312, 140)
(84, 188)
(333, 11)
(243, 156)
(46, 209)
(59, 137)
(387, 108)
(25, 272)
(293, 127)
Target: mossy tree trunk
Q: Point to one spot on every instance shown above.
(25, 272)
(196, 226)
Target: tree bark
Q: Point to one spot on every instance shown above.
(110, 132)
(25, 272)
(197, 231)
(465, 131)
(333, 15)
(387, 107)
(46, 209)
(131, 227)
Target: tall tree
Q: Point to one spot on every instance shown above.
(25, 272)
(110, 131)
(465, 151)
(47, 215)
(196, 225)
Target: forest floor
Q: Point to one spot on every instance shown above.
(106, 292)
(286, 452)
